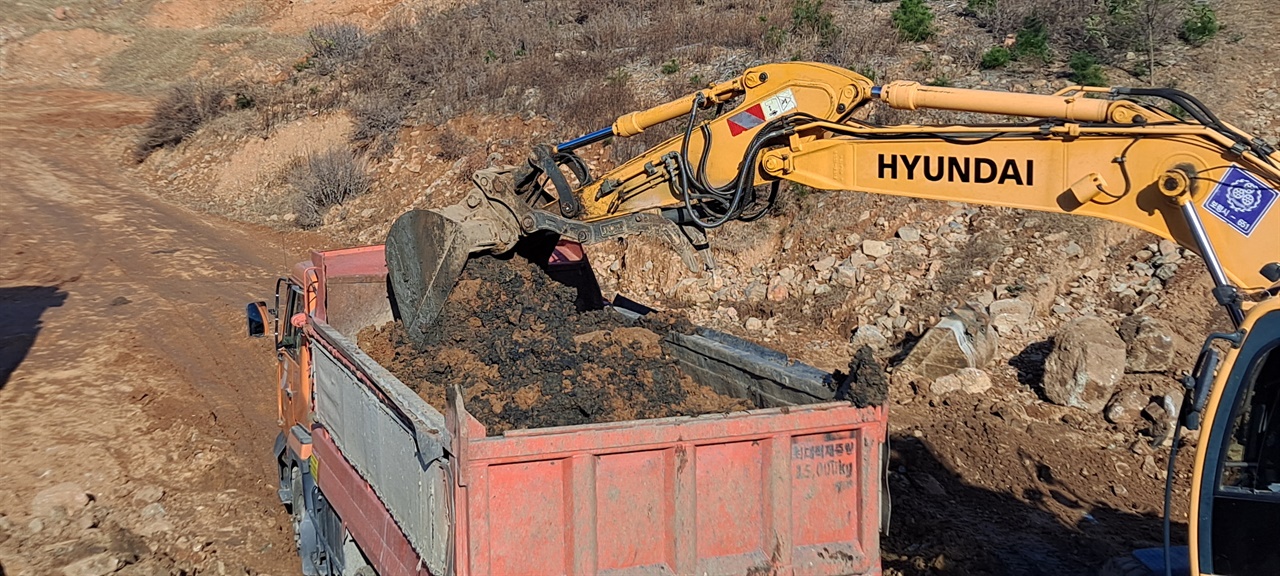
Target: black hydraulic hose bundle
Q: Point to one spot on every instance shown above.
(1203, 115)
(734, 198)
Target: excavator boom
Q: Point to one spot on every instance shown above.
(1090, 151)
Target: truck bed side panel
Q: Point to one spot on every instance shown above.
(392, 438)
(790, 491)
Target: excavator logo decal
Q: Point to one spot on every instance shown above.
(957, 169)
(1240, 200)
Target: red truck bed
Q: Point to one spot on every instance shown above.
(793, 488)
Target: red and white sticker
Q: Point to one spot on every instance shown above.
(768, 109)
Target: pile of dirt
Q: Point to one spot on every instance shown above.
(524, 356)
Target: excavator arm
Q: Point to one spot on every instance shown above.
(1091, 151)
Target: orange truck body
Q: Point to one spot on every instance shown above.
(790, 489)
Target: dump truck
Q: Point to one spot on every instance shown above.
(378, 481)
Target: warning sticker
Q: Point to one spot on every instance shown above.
(770, 108)
(1240, 200)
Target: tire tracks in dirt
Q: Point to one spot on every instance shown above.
(123, 316)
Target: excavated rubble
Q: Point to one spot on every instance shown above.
(523, 355)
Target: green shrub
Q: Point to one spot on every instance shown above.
(812, 16)
(670, 67)
(979, 7)
(1200, 26)
(1085, 71)
(943, 81)
(913, 20)
(1032, 42)
(774, 37)
(996, 57)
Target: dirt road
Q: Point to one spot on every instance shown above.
(124, 372)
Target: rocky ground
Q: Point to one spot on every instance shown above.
(1038, 447)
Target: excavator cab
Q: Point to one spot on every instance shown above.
(1235, 512)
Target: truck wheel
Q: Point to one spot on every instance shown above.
(298, 505)
(1125, 565)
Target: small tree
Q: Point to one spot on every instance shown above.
(1032, 42)
(1200, 26)
(1085, 71)
(914, 20)
(996, 57)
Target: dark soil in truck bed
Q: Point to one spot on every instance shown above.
(513, 340)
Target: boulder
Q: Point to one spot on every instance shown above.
(962, 339)
(1085, 364)
(1149, 344)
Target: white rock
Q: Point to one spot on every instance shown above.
(147, 495)
(70, 496)
(753, 324)
(868, 335)
(875, 248)
(97, 565)
(966, 380)
(1008, 315)
(909, 234)
(846, 276)
(824, 264)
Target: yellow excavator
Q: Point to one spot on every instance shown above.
(1114, 153)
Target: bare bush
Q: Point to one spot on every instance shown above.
(326, 179)
(454, 145)
(377, 120)
(334, 44)
(178, 115)
(557, 58)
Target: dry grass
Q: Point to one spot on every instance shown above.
(579, 63)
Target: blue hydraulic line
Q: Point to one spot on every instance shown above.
(876, 90)
(581, 141)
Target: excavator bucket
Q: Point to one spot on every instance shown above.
(426, 251)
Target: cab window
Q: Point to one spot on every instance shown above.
(1251, 463)
(293, 305)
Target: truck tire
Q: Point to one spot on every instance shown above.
(1125, 565)
(297, 506)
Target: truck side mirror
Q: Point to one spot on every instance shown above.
(256, 314)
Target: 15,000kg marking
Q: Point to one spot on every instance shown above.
(824, 469)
